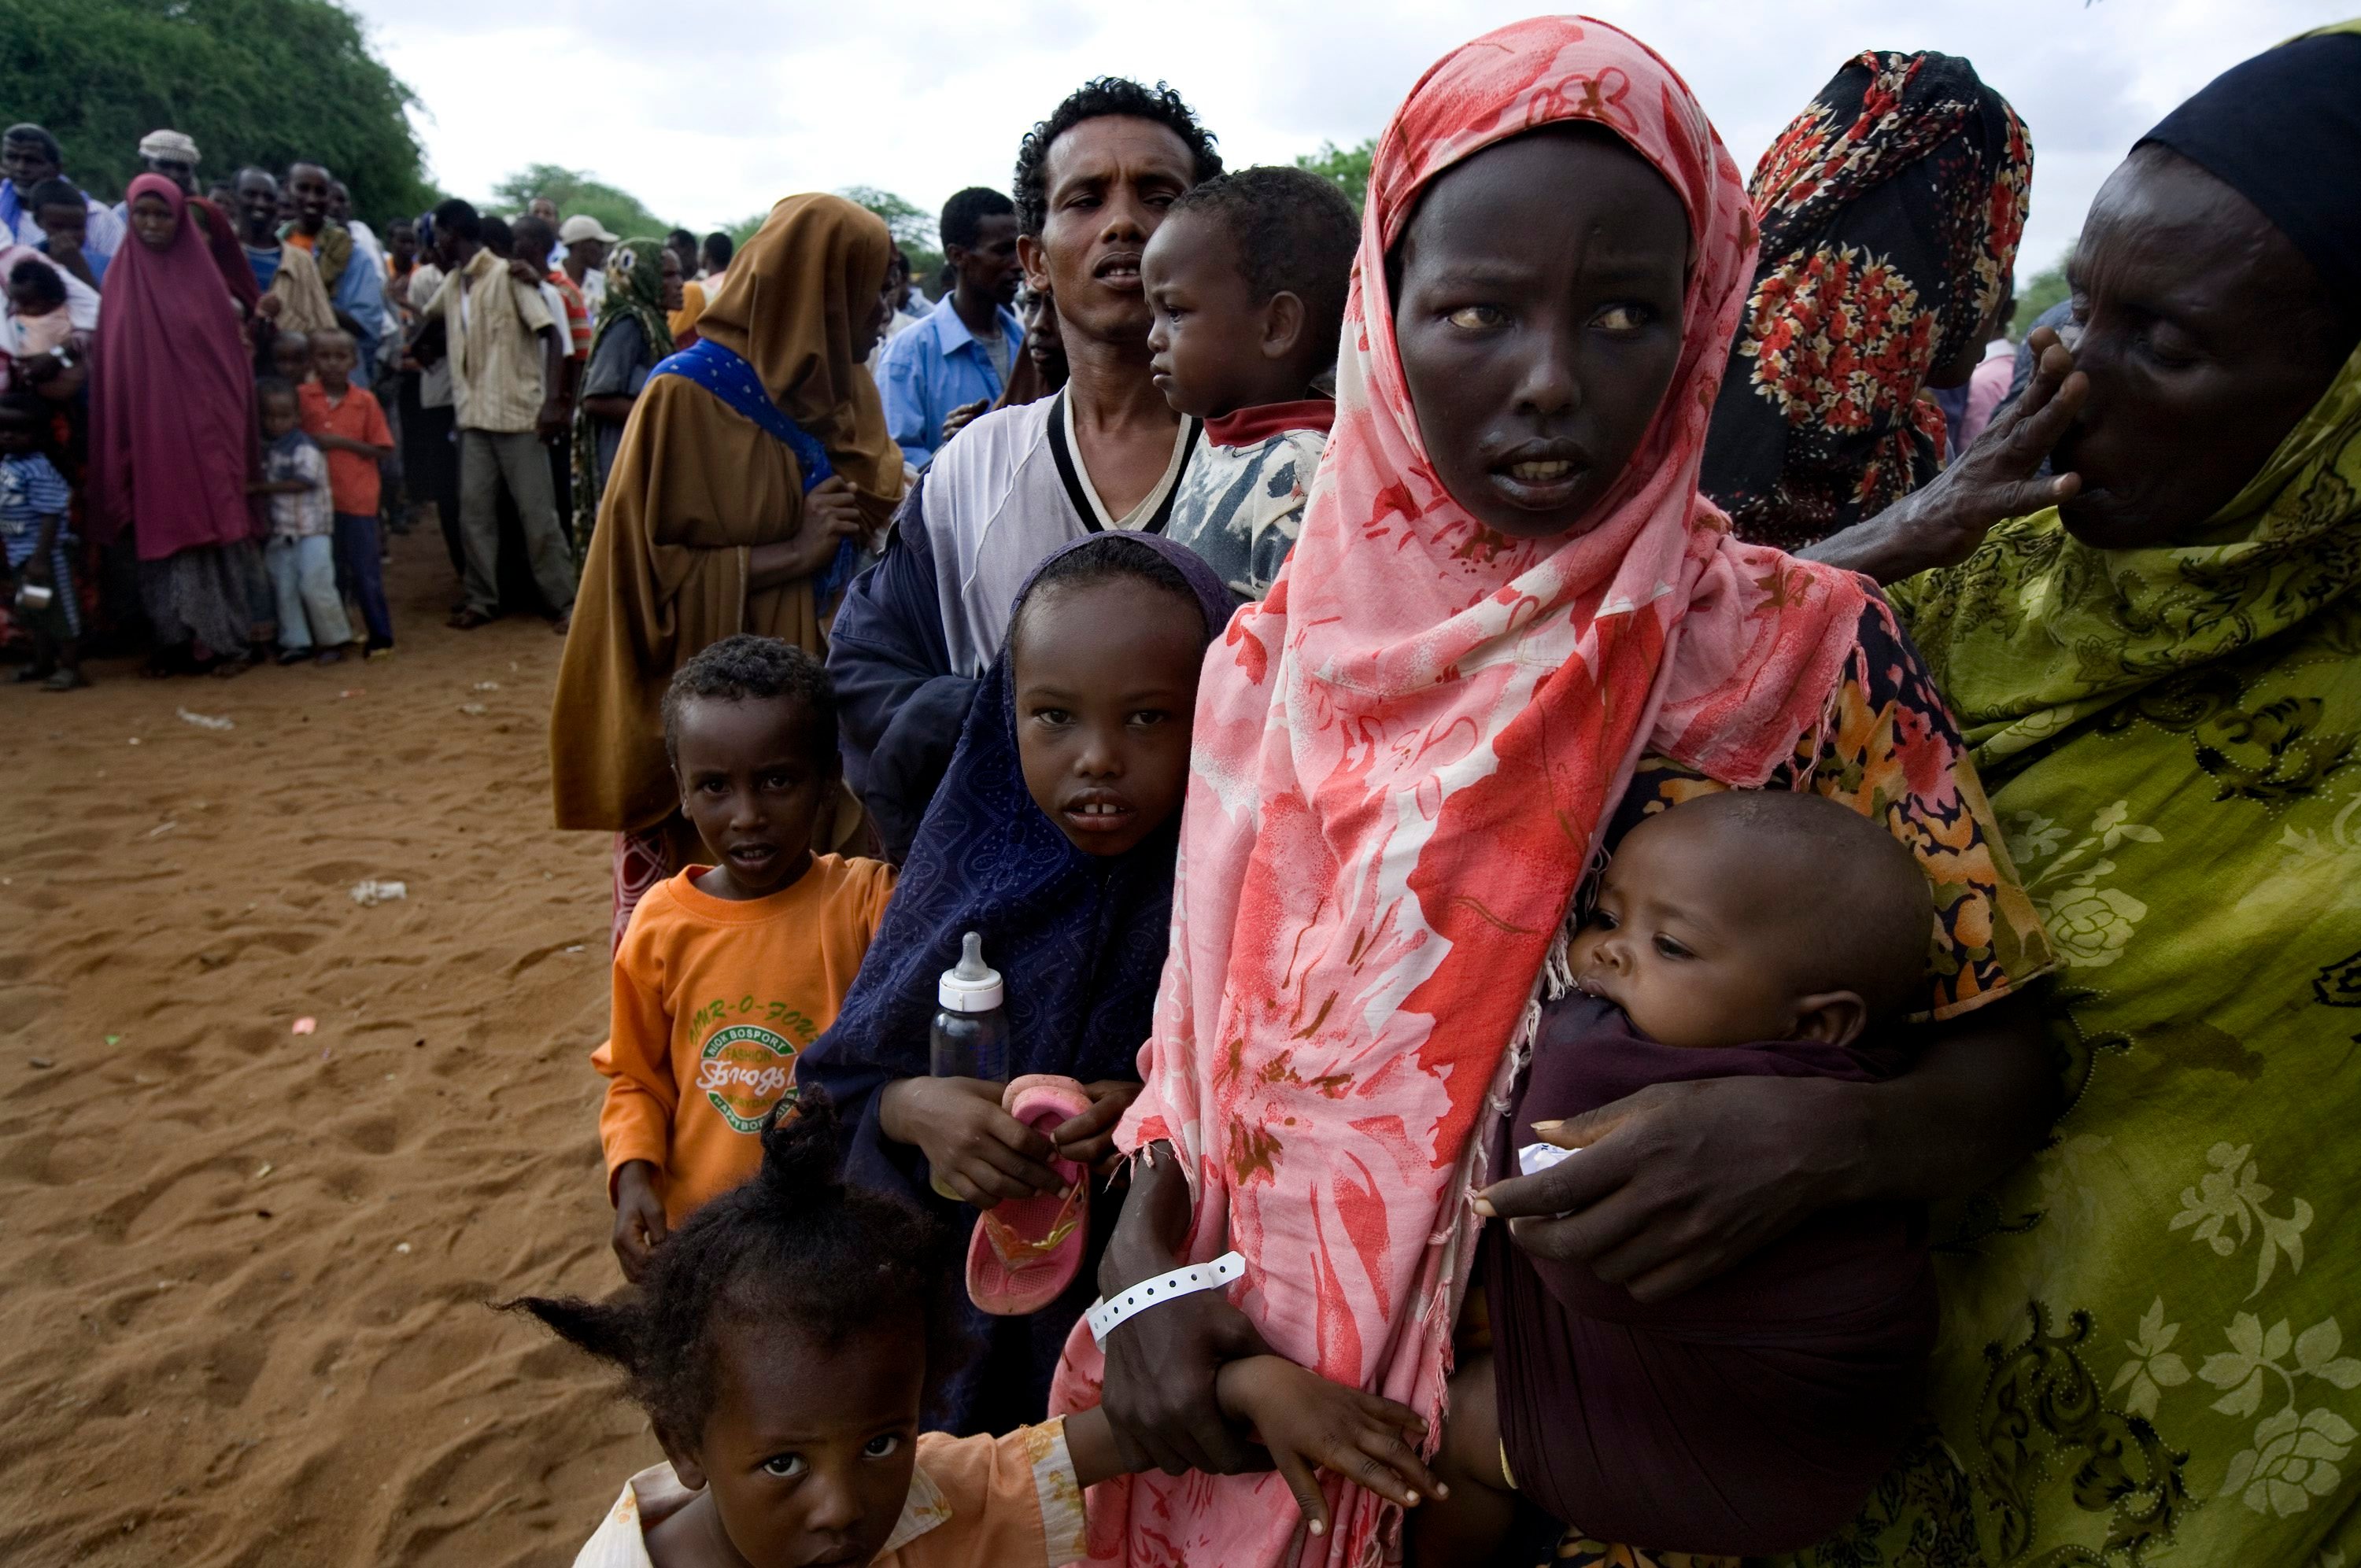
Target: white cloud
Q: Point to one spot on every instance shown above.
(710, 112)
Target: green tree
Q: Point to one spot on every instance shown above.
(576, 191)
(265, 81)
(1347, 166)
(2045, 288)
(914, 230)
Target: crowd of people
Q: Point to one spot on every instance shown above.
(1561, 871)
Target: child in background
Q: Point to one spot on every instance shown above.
(302, 554)
(38, 544)
(37, 328)
(1052, 838)
(784, 1346)
(728, 969)
(290, 356)
(1753, 1413)
(348, 425)
(1247, 275)
(63, 214)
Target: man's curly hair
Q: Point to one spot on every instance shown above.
(1096, 99)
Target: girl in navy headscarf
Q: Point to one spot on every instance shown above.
(1052, 838)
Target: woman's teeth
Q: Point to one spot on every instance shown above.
(1098, 808)
(1541, 473)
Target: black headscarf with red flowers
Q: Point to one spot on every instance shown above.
(1890, 211)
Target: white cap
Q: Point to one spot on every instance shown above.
(970, 987)
(582, 226)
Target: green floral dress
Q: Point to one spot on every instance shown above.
(2144, 1356)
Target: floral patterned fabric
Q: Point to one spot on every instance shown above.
(2145, 1357)
(1891, 211)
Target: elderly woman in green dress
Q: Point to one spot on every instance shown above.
(2154, 1328)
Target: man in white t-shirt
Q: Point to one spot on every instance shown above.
(916, 631)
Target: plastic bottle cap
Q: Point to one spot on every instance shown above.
(972, 986)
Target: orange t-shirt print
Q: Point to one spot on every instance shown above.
(713, 999)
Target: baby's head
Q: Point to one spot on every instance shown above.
(275, 397)
(785, 1343)
(1247, 276)
(290, 356)
(1757, 914)
(750, 727)
(35, 289)
(1104, 649)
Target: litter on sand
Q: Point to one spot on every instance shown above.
(306, 1025)
(370, 894)
(474, 710)
(206, 720)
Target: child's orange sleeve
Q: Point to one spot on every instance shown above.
(379, 433)
(635, 1122)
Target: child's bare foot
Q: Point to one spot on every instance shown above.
(65, 680)
(329, 656)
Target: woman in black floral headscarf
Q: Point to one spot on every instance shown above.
(1891, 210)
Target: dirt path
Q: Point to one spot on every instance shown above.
(243, 1269)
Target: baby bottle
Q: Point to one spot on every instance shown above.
(970, 1036)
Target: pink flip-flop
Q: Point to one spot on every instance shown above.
(1025, 1251)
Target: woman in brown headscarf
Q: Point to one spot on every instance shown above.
(711, 523)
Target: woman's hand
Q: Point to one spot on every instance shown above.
(1088, 1139)
(1681, 1180)
(1304, 1420)
(1998, 478)
(1162, 1364)
(831, 514)
(639, 1215)
(977, 1150)
(269, 307)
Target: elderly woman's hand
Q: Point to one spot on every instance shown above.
(1999, 477)
(1678, 1182)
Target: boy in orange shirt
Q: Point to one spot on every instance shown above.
(346, 422)
(728, 971)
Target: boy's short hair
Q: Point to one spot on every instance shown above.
(460, 217)
(1098, 99)
(40, 282)
(56, 192)
(1294, 231)
(533, 235)
(268, 387)
(497, 238)
(962, 218)
(719, 248)
(744, 667)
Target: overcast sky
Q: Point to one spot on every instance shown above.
(711, 110)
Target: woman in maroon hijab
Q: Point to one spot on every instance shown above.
(173, 432)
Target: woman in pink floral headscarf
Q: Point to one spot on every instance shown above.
(1510, 627)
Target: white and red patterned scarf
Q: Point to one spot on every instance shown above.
(1403, 760)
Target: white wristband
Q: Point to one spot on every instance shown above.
(1104, 1315)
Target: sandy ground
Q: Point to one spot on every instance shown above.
(242, 1270)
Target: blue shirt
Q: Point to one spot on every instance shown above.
(30, 490)
(937, 366)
